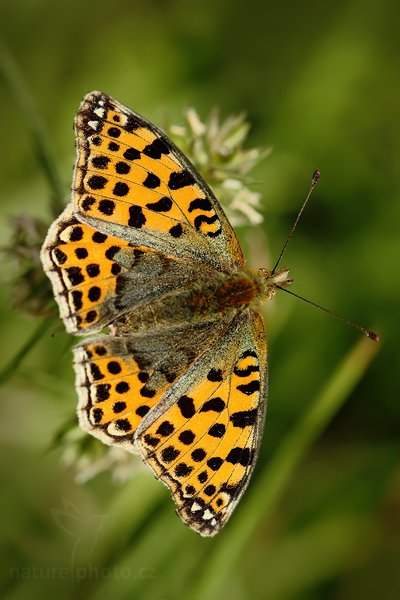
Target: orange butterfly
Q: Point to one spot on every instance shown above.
(145, 249)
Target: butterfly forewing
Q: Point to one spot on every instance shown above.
(132, 182)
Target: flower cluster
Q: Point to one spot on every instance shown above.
(216, 149)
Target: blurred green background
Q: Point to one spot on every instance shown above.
(320, 83)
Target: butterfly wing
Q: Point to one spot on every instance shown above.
(131, 182)
(79, 262)
(120, 379)
(203, 437)
(97, 277)
(91, 251)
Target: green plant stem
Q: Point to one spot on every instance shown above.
(262, 497)
(23, 98)
(16, 360)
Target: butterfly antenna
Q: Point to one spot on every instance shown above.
(314, 180)
(371, 334)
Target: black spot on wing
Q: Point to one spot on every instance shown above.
(114, 367)
(214, 404)
(93, 270)
(247, 371)
(123, 424)
(151, 181)
(141, 411)
(186, 406)
(249, 388)
(200, 219)
(111, 252)
(75, 275)
(202, 477)
(242, 456)
(198, 455)
(95, 372)
(100, 162)
(122, 168)
(61, 257)
(136, 217)
(99, 237)
(183, 470)
(162, 205)
(94, 293)
(210, 490)
(214, 375)
(156, 149)
(132, 123)
(91, 316)
(131, 154)
(100, 350)
(165, 429)
(180, 179)
(217, 430)
(169, 454)
(77, 299)
(81, 253)
(201, 204)
(114, 132)
(215, 463)
(120, 189)
(147, 392)
(87, 203)
(151, 440)
(122, 387)
(186, 437)
(106, 207)
(76, 234)
(244, 418)
(248, 353)
(102, 392)
(97, 415)
(176, 231)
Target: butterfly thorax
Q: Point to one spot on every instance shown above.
(209, 296)
(237, 291)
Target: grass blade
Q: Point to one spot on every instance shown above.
(16, 360)
(23, 98)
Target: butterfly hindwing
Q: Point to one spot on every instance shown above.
(132, 182)
(202, 440)
(120, 379)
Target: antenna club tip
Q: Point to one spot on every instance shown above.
(373, 336)
(316, 176)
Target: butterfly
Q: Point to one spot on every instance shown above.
(145, 258)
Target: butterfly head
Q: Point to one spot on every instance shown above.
(272, 281)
